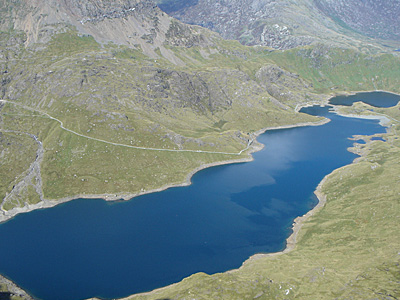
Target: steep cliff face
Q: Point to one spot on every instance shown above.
(375, 18)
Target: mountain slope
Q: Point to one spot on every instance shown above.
(134, 23)
(276, 24)
(378, 19)
(89, 110)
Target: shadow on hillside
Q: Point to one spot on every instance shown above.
(5, 296)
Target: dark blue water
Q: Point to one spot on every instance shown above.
(377, 138)
(360, 142)
(88, 248)
(377, 99)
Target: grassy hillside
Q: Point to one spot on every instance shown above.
(117, 105)
(99, 110)
(333, 69)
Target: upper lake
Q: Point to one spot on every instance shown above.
(86, 248)
(377, 99)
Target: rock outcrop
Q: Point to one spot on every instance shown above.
(252, 22)
(134, 23)
(289, 24)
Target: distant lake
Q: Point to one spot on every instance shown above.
(377, 99)
(86, 248)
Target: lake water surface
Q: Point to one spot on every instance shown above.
(86, 248)
(377, 99)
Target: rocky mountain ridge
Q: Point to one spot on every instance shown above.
(137, 24)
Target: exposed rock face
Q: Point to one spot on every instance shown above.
(135, 23)
(375, 18)
(100, 10)
(288, 24)
(245, 20)
(180, 34)
(283, 85)
(40, 18)
(273, 23)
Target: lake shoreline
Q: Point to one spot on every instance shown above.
(327, 97)
(296, 226)
(14, 289)
(255, 147)
(48, 203)
(291, 241)
(298, 222)
(352, 93)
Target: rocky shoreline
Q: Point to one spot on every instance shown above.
(13, 289)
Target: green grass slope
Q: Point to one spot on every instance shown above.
(113, 121)
(96, 107)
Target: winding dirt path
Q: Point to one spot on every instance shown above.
(124, 145)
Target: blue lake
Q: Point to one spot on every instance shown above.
(377, 139)
(377, 99)
(86, 248)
